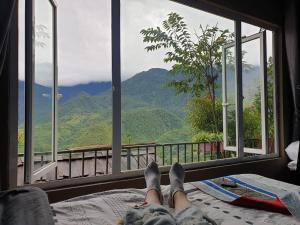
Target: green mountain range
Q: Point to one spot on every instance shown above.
(151, 112)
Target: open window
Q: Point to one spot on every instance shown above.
(212, 108)
(254, 95)
(41, 103)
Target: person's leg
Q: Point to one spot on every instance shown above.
(180, 200)
(177, 197)
(186, 213)
(152, 196)
(152, 178)
(153, 212)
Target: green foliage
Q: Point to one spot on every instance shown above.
(252, 114)
(231, 126)
(148, 124)
(206, 136)
(199, 115)
(252, 123)
(182, 134)
(77, 130)
(199, 61)
(21, 140)
(270, 97)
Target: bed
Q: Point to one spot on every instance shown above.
(107, 208)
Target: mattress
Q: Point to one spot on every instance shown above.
(107, 208)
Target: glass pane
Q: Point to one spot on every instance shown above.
(249, 29)
(21, 97)
(231, 97)
(84, 80)
(252, 94)
(43, 87)
(270, 93)
(167, 104)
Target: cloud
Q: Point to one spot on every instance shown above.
(84, 37)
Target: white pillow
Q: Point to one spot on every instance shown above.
(292, 150)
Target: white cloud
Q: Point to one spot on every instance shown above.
(84, 37)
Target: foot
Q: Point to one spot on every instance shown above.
(152, 178)
(176, 175)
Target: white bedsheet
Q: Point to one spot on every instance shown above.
(107, 208)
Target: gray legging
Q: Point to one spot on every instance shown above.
(153, 214)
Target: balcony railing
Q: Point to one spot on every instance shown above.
(97, 160)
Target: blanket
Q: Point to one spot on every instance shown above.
(25, 206)
(107, 208)
(250, 193)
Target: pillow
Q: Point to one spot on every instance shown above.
(292, 150)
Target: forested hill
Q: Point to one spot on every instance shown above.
(150, 112)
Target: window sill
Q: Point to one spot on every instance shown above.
(65, 189)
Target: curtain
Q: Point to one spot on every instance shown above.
(6, 11)
(292, 45)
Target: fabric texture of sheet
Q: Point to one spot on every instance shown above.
(107, 208)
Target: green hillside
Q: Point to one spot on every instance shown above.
(84, 129)
(150, 112)
(150, 87)
(148, 124)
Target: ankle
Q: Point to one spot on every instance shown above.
(179, 194)
(153, 196)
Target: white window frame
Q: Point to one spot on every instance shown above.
(261, 36)
(31, 175)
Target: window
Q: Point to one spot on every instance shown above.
(164, 106)
(41, 103)
(257, 94)
(178, 84)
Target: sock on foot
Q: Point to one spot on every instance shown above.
(152, 177)
(176, 176)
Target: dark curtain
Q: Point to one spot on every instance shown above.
(6, 12)
(292, 36)
(8, 93)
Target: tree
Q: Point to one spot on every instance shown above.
(199, 113)
(198, 59)
(269, 100)
(252, 113)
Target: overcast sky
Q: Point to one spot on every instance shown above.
(84, 39)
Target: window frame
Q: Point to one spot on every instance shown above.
(261, 36)
(30, 174)
(116, 94)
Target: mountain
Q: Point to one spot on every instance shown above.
(144, 89)
(142, 124)
(43, 99)
(150, 111)
(150, 87)
(42, 96)
(93, 88)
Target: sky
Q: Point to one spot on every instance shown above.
(84, 38)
